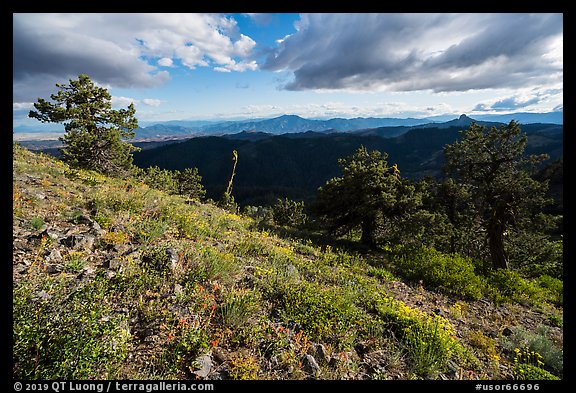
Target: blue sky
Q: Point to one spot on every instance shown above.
(235, 66)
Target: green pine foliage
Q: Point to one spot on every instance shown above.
(96, 134)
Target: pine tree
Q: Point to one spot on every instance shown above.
(367, 191)
(95, 133)
(493, 164)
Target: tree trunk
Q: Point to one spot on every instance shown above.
(496, 244)
(368, 227)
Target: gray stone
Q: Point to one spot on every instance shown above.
(114, 264)
(21, 244)
(96, 229)
(205, 364)
(52, 235)
(173, 255)
(54, 268)
(20, 268)
(54, 256)
(322, 354)
(43, 295)
(310, 365)
(79, 241)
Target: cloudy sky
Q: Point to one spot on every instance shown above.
(232, 66)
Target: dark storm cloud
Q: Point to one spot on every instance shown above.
(44, 56)
(407, 52)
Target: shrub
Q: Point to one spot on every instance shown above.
(36, 223)
(506, 285)
(323, 313)
(288, 212)
(538, 342)
(429, 348)
(451, 273)
(243, 367)
(553, 289)
(534, 254)
(75, 261)
(238, 307)
(525, 371)
(189, 183)
(161, 179)
(429, 340)
(208, 263)
(64, 332)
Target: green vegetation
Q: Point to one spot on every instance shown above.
(492, 162)
(95, 133)
(453, 274)
(133, 280)
(367, 192)
(288, 212)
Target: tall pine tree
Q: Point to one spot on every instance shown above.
(492, 162)
(95, 133)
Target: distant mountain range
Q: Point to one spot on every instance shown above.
(385, 126)
(295, 124)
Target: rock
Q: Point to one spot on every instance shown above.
(205, 364)
(122, 249)
(54, 268)
(52, 235)
(322, 354)
(86, 273)
(114, 264)
(43, 295)
(54, 256)
(294, 326)
(20, 268)
(84, 219)
(310, 365)
(219, 355)
(21, 244)
(173, 262)
(178, 289)
(79, 241)
(507, 332)
(96, 229)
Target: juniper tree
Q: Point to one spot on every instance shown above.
(492, 162)
(95, 133)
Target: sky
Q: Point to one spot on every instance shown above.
(320, 65)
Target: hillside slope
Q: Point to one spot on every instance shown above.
(114, 280)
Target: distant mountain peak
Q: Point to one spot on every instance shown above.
(464, 117)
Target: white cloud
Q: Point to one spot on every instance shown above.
(22, 106)
(119, 101)
(165, 62)
(123, 101)
(151, 102)
(121, 50)
(526, 99)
